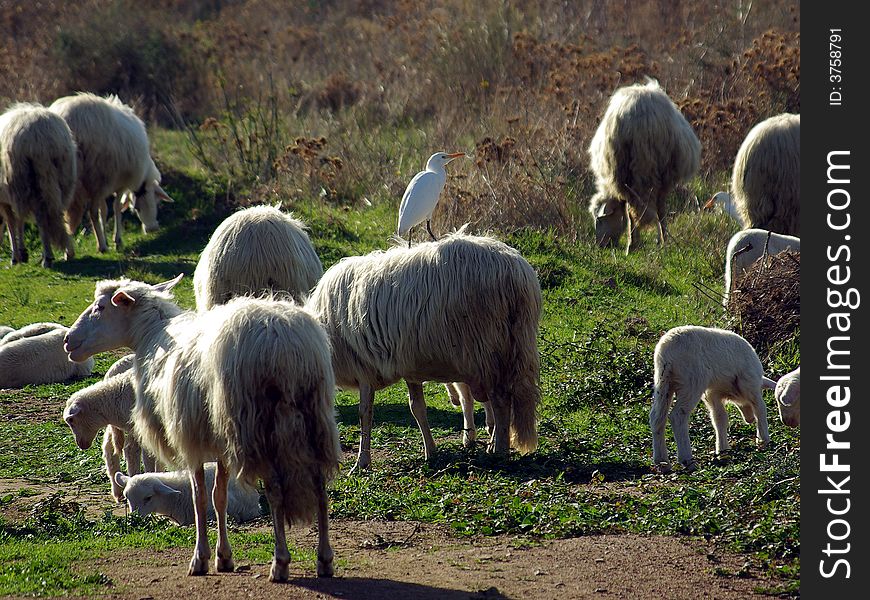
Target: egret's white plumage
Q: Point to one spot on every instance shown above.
(726, 203)
(421, 195)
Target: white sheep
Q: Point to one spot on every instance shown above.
(114, 159)
(248, 383)
(37, 178)
(715, 365)
(35, 355)
(642, 149)
(788, 398)
(256, 250)
(170, 494)
(463, 308)
(747, 246)
(766, 179)
(4, 330)
(725, 203)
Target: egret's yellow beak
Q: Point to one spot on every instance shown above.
(455, 155)
(710, 203)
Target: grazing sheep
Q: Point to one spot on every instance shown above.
(248, 383)
(715, 365)
(642, 149)
(114, 158)
(34, 355)
(170, 494)
(256, 250)
(463, 308)
(766, 180)
(747, 246)
(37, 178)
(725, 203)
(788, 398)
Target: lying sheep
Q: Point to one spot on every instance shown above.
(4, 330)
(37, 178)
(249, 384)
(170, 494)
(747, 246)
(642, 149)
(463, 308)
(114, 158)
(715, 365)
(256, 250)
(788, 398)
(34, 355)
(766, 179)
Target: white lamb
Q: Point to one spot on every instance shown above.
(114, 159)
(34, 355)
(788, 398)
(170, 494)
(249, 384)
(715, 365)
(747, 246)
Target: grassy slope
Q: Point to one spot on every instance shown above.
(603, 313)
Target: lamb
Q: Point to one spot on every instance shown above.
(170, 494)
(37, 178)
(747, 246)
(249, 384)
(726, 204)
(716, 365)
(34, 355)
(4, 330)
(788, 398)
(463, 308)
(766, 179)
(114, 158)
(256, 250)
(642, 149)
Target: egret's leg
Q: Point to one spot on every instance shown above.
(429, 229)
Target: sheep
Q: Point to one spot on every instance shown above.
(463, 308)
(4, 330)
(114, 158)
(37, 178)
(256, 250)
(170, 494)
(642, 149)
(248, 383)
(34, 355)
(766, 180)
(788, 398)
(698, 362)
(725, 203)
(747, 246)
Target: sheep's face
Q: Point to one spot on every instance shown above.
(145, 494)
(145, 202)
(73, 416)
(609, 215)
(103, 326)
(788, 401)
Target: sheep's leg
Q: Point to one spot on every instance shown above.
(719, 419)
(132, 455)
(490, 417)
(747, 411)
(686, 402)
(366, 406)
(466, 401)
(113, 464)
(762, 436)
(116, 215)
(47, 254)
(633, 233)
(662, 213)
(500, 442)
(418, 408)
(94, 213)
(149, 463)
(280, 570)
(201, 553)
(325, 554)
(658, 417)
(224, 560)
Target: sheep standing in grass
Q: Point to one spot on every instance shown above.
(170, 494)
(766, 179)
(256, 250)
(788, 398)
(34, 355)
(642, 149)
(37, 178)
(248, 383)
(715, 365)
(463, 308)
(114, 158)
(747, 246)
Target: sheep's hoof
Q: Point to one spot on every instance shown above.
(662, 468)
(324, 568)
(360, 466)
(198, 566)
(280, 572)
(689, 465)
(762, 444)
(224, 565)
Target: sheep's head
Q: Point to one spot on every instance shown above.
(609, 215)
(144, 202)
(788, 399)
(145, 494)
(81, 427)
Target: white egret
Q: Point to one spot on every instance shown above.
(421, 195)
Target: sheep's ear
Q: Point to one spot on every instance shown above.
(121, 479)
(162, 489)
(604, 210)
(167, 285)
(158, 191)
(70, 413)
(122, 298)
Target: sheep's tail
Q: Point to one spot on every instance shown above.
(525, 393)
(662, 394)
(49, 212)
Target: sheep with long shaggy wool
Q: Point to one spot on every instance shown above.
(747, 246)
(464, 308)
(34, 355)
(37, 178)
(642, 149)
(695, 363)
(248, 384)
(114, 159)
(254, 251)
(766, 179)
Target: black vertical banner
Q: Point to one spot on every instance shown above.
(835, 300)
